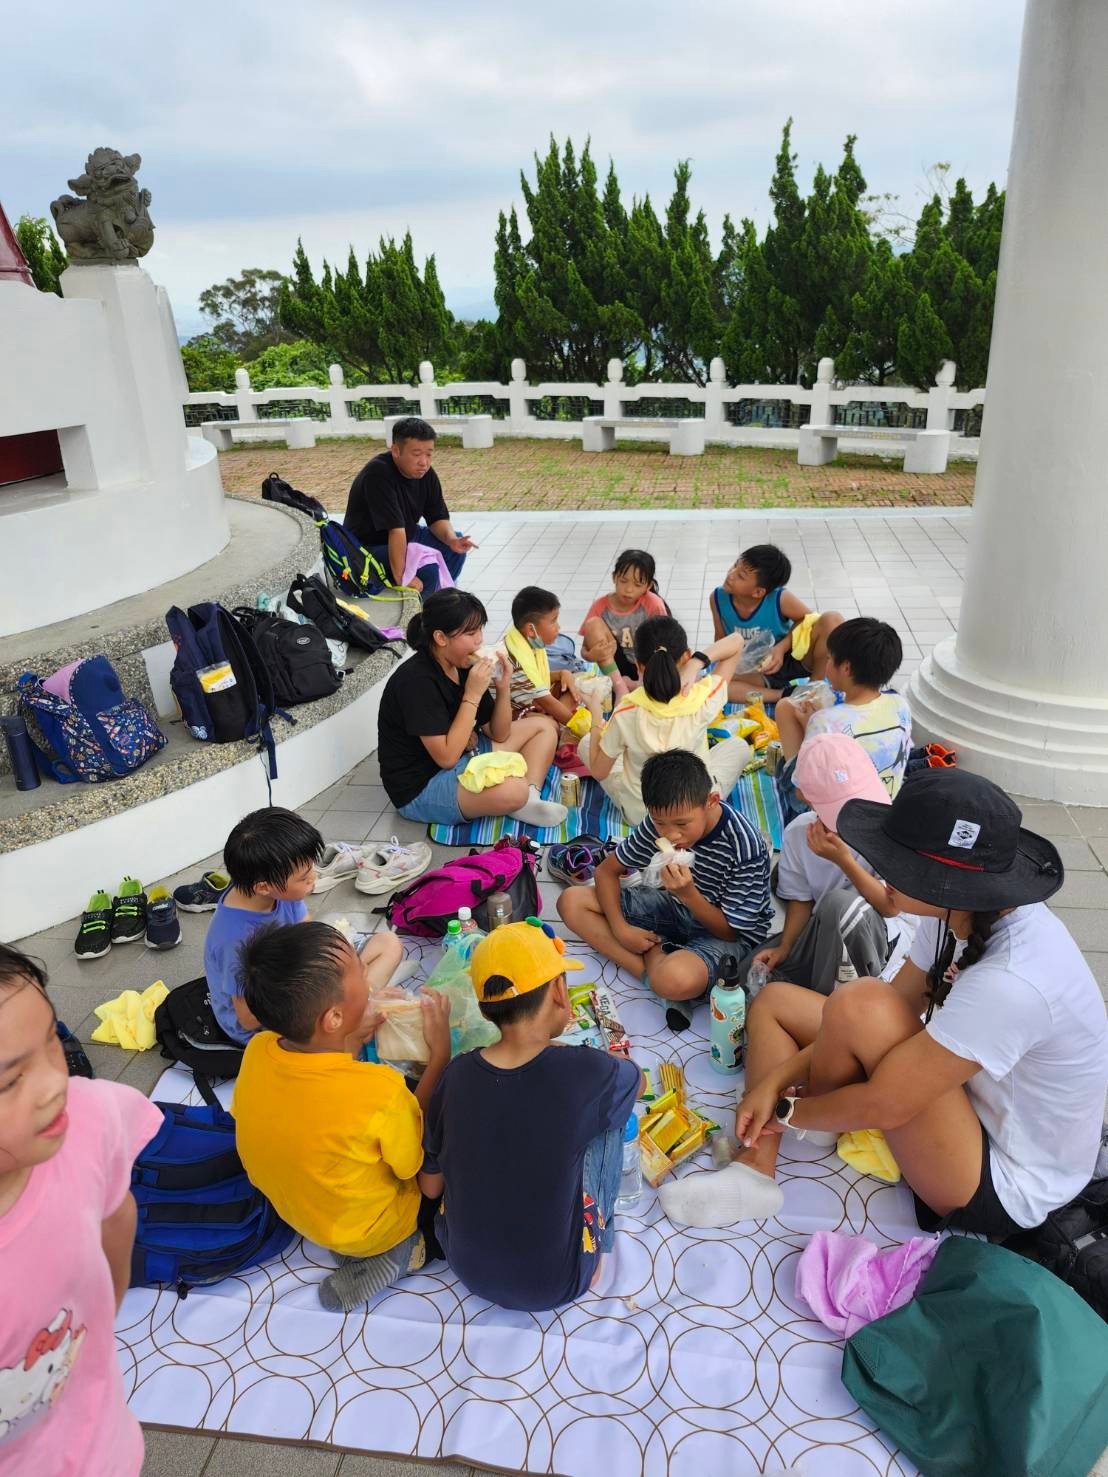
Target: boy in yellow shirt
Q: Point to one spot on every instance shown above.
(334, 1143)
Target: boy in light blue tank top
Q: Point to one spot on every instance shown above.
(753, 600)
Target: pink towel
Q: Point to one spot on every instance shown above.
(418, 557)
(848, 1282)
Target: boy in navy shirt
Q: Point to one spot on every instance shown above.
(524, 1138)
(674, 937)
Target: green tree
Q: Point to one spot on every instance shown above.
(43, 251)
(243, 311)
(381, 321)
(563, 296)
(869, 352)
(208, 364)
(296, 363)
(922, 343)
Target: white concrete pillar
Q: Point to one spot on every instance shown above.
(519, 409)
(821, 393)
(613, 390)
(714, 422)
(428, 404)
(340, 418)
(1023, 691)
(244, 403)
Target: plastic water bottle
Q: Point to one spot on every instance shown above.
(467, 936)
(727, 1018)
(757, 976)
(630, 1183)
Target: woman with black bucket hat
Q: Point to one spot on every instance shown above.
(985, 1062)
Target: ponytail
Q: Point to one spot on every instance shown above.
(449, 611)
(939, 980)
(659, 643)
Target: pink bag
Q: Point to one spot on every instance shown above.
(428, 904)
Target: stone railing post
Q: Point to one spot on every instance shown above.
(244, 405)
(821, 393)
(340, 417)
(940, 416)
(714, 422)
(428, 404)
(613, 390)
(519, 414)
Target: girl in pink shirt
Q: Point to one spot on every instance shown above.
(67, 1223)
(619, 614)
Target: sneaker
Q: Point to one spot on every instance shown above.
(388, 865)
(94, 937)
(202, 896)
(76, 1057)
(129, 912)
(339, 862)
(163, 927)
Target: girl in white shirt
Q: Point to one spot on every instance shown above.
(992, 1102)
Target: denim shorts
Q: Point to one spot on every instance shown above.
(660, 912)
(437, 802)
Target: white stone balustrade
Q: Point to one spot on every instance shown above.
(513, 404)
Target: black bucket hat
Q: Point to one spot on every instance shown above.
(955, 840)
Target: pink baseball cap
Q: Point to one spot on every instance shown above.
(833, 768)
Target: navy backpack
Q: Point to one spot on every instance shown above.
(350, 566)
(96, 732)
(222, 685)
(199, 1217)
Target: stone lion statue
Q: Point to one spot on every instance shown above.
(111, 223)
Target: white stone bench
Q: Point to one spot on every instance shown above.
(298, 431)
(926, 451)
(476, 430)
(686, 435)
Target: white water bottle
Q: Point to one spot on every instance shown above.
(630, 1182)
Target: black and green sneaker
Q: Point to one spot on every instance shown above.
(94, 937)
(129, 912)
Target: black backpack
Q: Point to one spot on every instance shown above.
(298, 657)
(337, 616)
(1073, 1244)
(207, 635)
(188, 1032)
(276, 490)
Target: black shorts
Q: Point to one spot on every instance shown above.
(982, 1214)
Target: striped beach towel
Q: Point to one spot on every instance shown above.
(755, 796)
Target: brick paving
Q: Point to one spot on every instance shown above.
(548, 475)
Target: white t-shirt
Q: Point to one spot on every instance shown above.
(801, 875)
(636, 734)
(1030, 1012)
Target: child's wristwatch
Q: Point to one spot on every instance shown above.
(784, 1110)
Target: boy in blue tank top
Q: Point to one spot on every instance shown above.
(753, 600)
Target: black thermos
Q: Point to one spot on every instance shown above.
(21, 752)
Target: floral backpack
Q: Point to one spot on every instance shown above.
(83, 725)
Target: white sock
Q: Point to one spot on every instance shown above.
(737, 1193)
(535, 811)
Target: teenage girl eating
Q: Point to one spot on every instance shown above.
(446, 704)
(984, 1062)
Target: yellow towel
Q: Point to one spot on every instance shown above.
(866, 1150)
(580, 723)
(802, 635)
(484, 770)
(679, 707)
(128, 1020)
(532, 659)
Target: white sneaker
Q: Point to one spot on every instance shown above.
(339, 862)
(386, 865)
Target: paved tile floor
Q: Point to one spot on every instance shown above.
(904, 568)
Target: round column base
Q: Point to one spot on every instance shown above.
(1043, 745)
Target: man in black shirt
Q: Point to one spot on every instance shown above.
(389, 497)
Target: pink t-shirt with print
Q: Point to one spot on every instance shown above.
(62, 1410)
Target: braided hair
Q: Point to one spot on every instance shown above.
(939, 978)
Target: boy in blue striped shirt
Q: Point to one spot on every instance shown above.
(673, 937)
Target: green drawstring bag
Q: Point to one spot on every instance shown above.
(995, 1369)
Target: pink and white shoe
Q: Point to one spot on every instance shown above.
(340, 862)
(386, 865)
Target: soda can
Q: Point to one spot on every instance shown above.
(772, 755)
(571, 790)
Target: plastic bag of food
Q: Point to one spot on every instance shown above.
(399, 1037)
(468, 1027)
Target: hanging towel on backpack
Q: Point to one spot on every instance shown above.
(128, 1020)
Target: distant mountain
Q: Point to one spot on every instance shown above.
(467, 305)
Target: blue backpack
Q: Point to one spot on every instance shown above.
(222, 685)
(349, 565)
(93, 733)
(199, 1217)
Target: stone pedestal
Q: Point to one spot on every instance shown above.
(1023, 691)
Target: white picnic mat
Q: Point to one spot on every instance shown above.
(699, 1362)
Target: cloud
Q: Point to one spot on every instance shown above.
(341, 121)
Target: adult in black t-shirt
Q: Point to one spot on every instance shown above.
(389, 497)
(438, 710)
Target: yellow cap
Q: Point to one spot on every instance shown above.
(527, 954)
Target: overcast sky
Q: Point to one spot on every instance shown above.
(340, 121)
